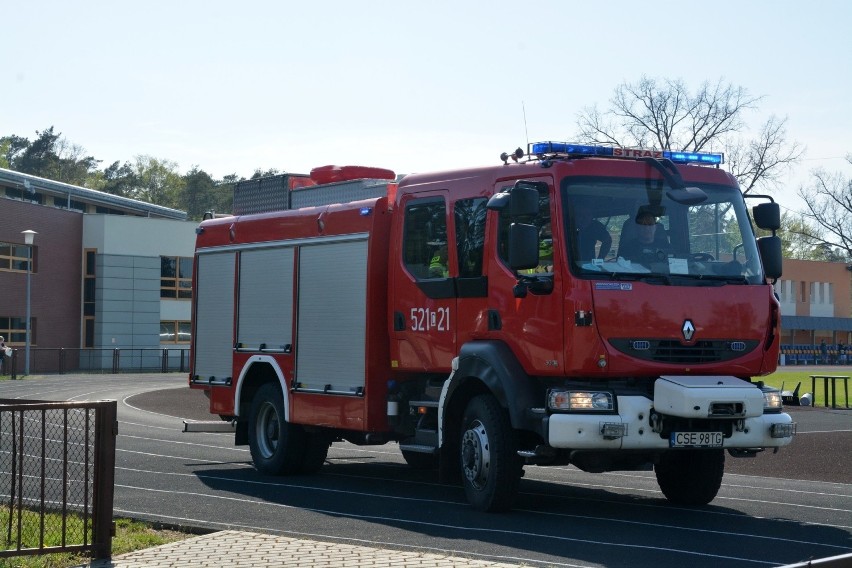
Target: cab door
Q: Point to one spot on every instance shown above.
(423, 304)
(529, 317)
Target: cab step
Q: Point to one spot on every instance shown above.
(214, 426)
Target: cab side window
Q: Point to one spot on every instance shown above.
(470, 235)
(424, 240)
(545, 234)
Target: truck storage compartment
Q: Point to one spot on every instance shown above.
(265, 194)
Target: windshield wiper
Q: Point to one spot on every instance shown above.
(656, 277)
(725, 278)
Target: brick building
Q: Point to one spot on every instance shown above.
(108, 273)
(816, 306)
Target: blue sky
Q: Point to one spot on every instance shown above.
(232, 86)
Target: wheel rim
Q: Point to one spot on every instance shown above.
(476, 455)
(268, 430)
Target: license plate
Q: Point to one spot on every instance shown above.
(695, 440)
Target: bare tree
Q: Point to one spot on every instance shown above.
(828, 199)
(796, 239)
(664, 114)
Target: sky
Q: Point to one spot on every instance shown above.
(411, 86)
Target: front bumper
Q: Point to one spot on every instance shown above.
(633, 429)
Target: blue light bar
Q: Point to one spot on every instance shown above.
(579, 150)
(694, 158)
(573, 149)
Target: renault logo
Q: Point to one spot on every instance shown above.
(688, 330)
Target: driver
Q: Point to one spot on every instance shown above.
(643, 239)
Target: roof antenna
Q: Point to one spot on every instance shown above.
(526, 132)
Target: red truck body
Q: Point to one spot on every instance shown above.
(413, 315)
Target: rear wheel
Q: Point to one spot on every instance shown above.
(491, 469)
(690, 477)
(277, 446)
(316, 450)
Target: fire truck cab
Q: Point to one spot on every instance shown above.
(598, 306)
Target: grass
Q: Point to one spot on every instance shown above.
(130, 535)
(791, 378)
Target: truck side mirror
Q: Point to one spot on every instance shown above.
(767, 216)
(521, 201)
(523, 246)
(524, 201)
(770, 254)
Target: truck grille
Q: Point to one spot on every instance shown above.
(676, 353)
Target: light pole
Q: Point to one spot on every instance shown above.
(29, 235)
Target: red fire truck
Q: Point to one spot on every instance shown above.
(595, 306)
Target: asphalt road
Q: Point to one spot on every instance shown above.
(771, 510)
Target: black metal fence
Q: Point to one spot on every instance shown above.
(61, 360)
(57, 470)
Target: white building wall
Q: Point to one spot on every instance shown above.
(823, 301)
(128, 304)
(138, 236)
(786, 290)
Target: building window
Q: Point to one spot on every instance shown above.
(15, 257)
(89, 281)
(175, 277)
(14, 329)
(72, 204)
(107, 210)
(24, 195)
(175, 331)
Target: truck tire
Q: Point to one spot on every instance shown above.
(690, 477)
(277, 446)
(490, 466)
(316, 450)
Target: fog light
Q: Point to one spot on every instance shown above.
(783, 430)
(613, 430)
(579, 400)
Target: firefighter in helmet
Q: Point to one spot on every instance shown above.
(438, 265)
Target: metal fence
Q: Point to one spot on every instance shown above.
(57, 470)
(119, 360)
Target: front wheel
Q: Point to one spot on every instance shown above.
(490, 466)
(690, 477)
(277, 446)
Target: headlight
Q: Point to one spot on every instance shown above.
(772, 401)
(579, 400)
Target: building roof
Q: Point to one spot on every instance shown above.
(101, 198)
(816, 323)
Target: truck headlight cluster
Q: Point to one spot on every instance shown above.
(596, 401)
(772, 401)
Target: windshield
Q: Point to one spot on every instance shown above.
(631, 229)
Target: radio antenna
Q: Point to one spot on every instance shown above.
(526, 132)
